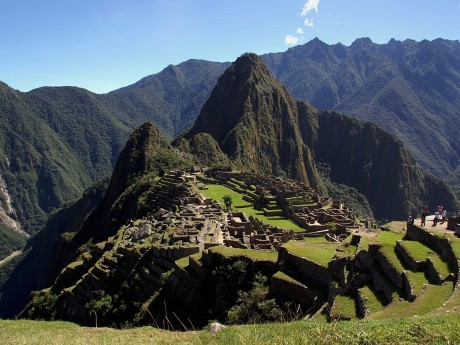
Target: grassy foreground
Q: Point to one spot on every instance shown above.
(434, 330)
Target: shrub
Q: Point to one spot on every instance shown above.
(42, 306)
(253, 306)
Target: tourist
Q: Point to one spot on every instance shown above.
(410, 221)
(436, 216)
(444, 215)
(423, 216)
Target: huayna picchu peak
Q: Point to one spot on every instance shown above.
(255, 122)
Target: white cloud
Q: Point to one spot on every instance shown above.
(290, 40)
(308, 22)
(310, 5)
(299, 31)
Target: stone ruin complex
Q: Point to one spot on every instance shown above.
(185, 218)
(187, 236)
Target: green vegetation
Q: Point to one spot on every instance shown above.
(431, 298)
(206, 151)
(420, 253)
(183, 263)
(318, 252)
(254, 255)
(417, 281)
(216, 192)
(10, 241)
(343, 308)
(388, 237)
(387, 240)
(348, 195)
(372, 302)
(317, 239)
(227, 201)
(253, 306)
(410, 331)
(284, 276)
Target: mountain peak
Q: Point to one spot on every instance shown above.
(230, 98)
(137, 155)
(249, 66)
(255, 120)
(362, 43)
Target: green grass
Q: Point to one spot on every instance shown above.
(216, 192)
(10, 241)
(344, 307)
(420, 252)
(389, 252)
(388, 241)
(451, 306)
(388, 237)
(75, 264)
(255, 255)
(318, 252)
(455, 241)
(183, 262)
(365, 241)
(283, 276)
(417, 280)
(396, 227)
(431, 298)
(320, 239)
(371, 300)
(421, 330)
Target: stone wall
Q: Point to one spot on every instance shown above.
(440, 245)
(312, 271)
(337, 269)
(383, 285)
(286, 288)
(452, 222)
(411, 263)
(392, 274)
(399, 279)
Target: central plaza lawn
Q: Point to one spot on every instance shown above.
(216, 192)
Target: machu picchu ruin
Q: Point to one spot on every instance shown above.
(317, 256)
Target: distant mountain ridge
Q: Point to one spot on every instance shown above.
(409, 88)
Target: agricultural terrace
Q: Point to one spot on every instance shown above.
(216, 192)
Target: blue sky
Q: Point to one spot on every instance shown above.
(102, 45)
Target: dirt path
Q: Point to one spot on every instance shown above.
(11, 256)
(429, 225)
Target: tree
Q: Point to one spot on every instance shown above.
(227, 201)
